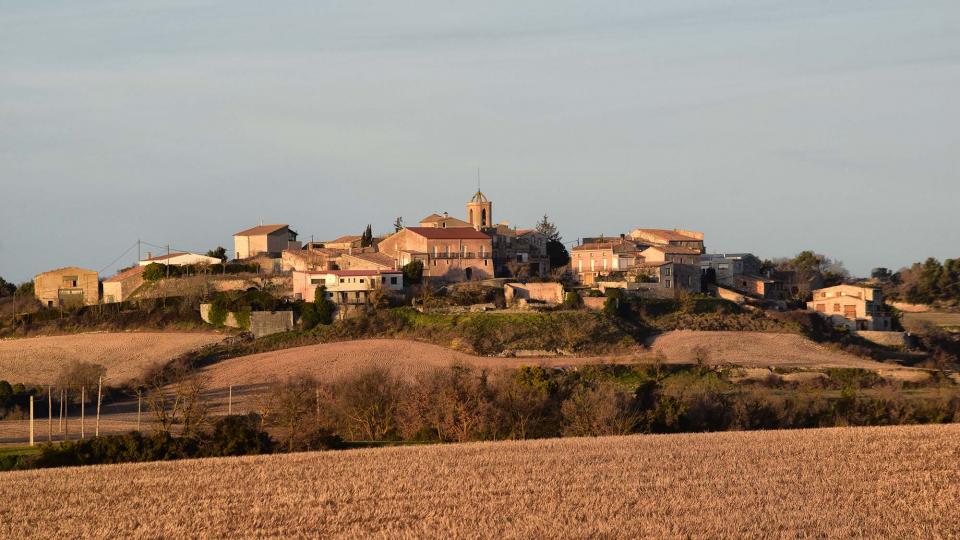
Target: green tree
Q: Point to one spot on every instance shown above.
(7, 288)
(412, 272)
(366, 239)
(323, 306)
(398, 224)
(220, 252)
(556, 251)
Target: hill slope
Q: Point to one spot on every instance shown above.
(329, 360)
(125, 354)
(890, 482)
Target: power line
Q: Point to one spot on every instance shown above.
(122, 255)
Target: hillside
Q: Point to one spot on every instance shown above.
(38, 360)
(891, 482)
(329, 360)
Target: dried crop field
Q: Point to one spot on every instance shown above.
(125, 354)
(891, 482)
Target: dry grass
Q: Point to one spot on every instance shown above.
(38, 360)
(915, 322)
(893, 482)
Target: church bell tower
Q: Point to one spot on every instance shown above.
(480, 211)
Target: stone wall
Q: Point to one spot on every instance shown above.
(264, 323)
(550, 293)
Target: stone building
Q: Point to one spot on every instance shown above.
(668, 237)
(599, 257)
(448, 254)
(858, 307)
(68, 287)
(270, 240)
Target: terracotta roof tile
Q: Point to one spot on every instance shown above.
(261, 229)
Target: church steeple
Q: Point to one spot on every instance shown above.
(480, 211)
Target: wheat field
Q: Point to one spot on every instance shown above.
(38, 360)
(891, 482)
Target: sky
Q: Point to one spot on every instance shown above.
(772, 126)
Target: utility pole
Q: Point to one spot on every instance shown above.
(139, 407)
(66, 415)
(31, 419)
(230, 401)
(49, 413)
(168, 261)
(99, 399)
(83, 397)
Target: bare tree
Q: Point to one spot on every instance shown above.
(178, 399)
(368, 402)
(601, 409)
(292, 405)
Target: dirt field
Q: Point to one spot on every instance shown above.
(38, 360)
(329, 360)
(892, 482)
(754, 349)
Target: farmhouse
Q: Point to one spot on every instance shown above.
(69, 286)
(264, 239)
(858, 307)
(119, 287)
(347, 287)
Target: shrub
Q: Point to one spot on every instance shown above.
(572, 300)
(412, 272)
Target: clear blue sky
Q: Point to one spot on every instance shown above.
(772, 126)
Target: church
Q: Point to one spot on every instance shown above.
(454, 250)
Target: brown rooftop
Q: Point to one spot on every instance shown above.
(124, 274)
(452, 233)
(261, 229)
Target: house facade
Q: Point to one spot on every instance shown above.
(271, 240)
(600, 257)
(346, 287)
(857, 307)
(448, 254)
(67, 287)
(726, 266)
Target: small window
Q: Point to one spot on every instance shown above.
(836, 308)
(342, 280)
(361, 280)
(393, 280)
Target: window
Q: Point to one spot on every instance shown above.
(666, 271)
(393, 280)
(821, 308)
(361, 280)
(342, 280)
(667, 282)
(836, 308)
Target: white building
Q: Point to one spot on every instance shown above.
(345, 286)
(180, 259)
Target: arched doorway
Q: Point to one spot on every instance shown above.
(469, 273)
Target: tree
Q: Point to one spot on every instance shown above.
(78, 374)
(368, 402)
(177, 398)
(548, 229)
(366, 239)
(292, 406)
(616, 304)
(6, 288)
(556, 251)
(412, 272)
(323, 305)
(220, 253)
(881, 274)
(398, 224)
(601, 409)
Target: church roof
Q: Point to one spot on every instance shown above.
(479, 197)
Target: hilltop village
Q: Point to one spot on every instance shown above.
(532, 268)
